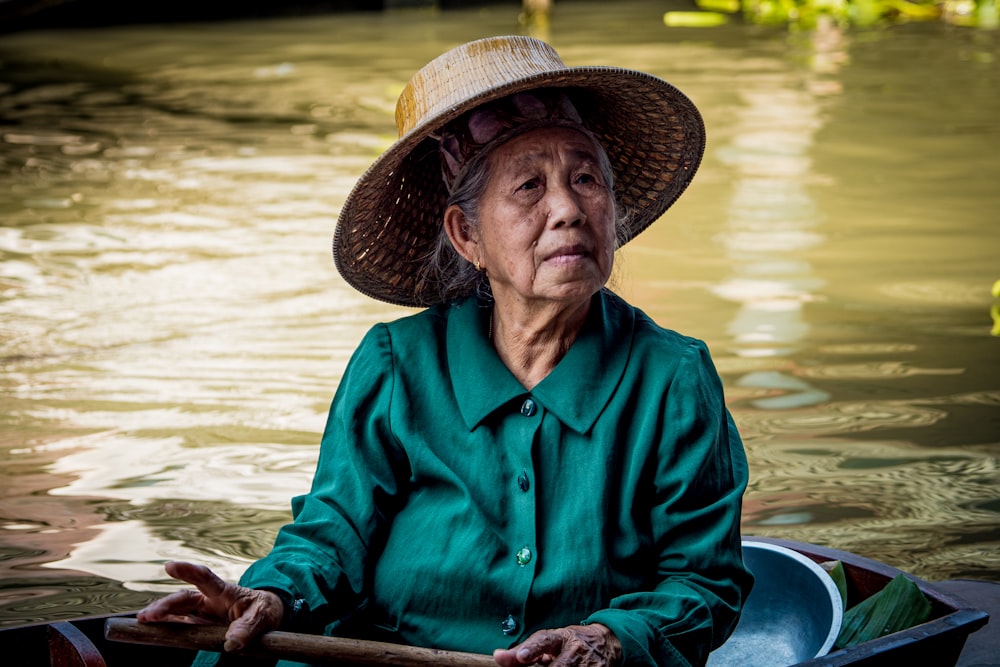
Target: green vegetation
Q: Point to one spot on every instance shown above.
(808, 13)
(898, 606)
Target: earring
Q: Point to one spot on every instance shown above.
(478, 266)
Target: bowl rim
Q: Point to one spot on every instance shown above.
(836, 602)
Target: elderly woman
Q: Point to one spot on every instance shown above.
(529, 466)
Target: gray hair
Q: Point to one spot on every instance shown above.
(454, 276)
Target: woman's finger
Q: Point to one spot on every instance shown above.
(540, 647)
(241, 631)
(187, 619)
(209, 604)
(574, 646)
(263, 614)
(588, 646)
(206, 581)
(180, 603)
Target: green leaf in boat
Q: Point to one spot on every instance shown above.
(898, 606)
(836, 571)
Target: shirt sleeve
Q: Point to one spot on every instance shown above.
(321, 560)
(700, 475)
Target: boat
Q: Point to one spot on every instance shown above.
(85, 642)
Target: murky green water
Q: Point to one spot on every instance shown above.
(172, 327)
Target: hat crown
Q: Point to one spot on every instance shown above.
(469, 70)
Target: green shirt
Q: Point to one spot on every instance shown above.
(453, 508)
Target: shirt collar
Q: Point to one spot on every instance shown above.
(578, 388)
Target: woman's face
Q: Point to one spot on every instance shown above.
(546, 218)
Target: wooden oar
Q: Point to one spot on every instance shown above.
(291, 646)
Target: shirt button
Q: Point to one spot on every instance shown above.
(522, 481)
(508, 626)
(523, 556)
(528, 408)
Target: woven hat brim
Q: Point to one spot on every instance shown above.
(653, 134)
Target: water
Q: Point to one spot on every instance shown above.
(172, 327)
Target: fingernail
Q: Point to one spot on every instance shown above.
(523, 655)
(232, 645)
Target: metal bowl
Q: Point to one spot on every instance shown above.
(793, 613)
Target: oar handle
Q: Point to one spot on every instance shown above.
(291, 646)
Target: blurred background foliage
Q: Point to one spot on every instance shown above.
(863, 13)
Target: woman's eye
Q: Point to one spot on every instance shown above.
(528, 185)
(586, 178)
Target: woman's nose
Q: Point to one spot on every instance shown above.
(564, 208)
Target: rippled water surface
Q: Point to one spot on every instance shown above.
(172, 327)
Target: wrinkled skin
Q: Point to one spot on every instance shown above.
(545, 239)
(573, 646)
(246, 611)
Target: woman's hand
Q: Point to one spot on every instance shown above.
(248, 612)
(577, 646)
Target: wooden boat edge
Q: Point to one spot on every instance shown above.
(940, 639)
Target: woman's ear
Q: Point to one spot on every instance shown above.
(461, 236)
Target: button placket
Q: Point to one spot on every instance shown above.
(524, 555)
(520, 533)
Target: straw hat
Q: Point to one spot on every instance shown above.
(653, 134)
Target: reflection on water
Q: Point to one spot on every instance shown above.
(771, 218)
(172, 328)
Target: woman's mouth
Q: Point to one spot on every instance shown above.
(569, 253)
